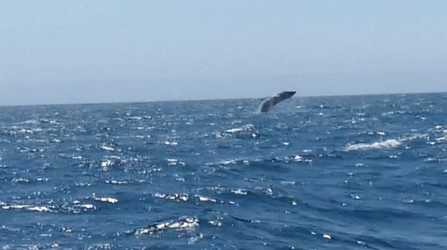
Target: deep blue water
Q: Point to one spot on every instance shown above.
(355, 172)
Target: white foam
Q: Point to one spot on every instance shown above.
(106, 199)
(388, 144)
(27, 207)
(181, 224)
(108, 148)
(203, 199)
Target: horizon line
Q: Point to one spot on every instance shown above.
(218, 99)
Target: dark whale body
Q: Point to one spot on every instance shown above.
(267, 104)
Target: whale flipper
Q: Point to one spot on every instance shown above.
(267, 104)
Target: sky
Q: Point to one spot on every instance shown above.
(57, 52)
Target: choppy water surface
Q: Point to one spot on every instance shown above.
(366, 172)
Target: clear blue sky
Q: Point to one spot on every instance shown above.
(114, 51)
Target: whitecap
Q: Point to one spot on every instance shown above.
(388, 144)
(185, 223)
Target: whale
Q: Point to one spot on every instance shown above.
(270, 102)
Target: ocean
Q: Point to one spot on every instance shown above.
(339, 172)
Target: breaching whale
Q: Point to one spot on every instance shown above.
(268, 103)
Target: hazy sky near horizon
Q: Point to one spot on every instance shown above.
(113, 51)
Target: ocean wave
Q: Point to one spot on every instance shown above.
(183, 223)
(387, 144)
(245, 131)
(338, 173)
